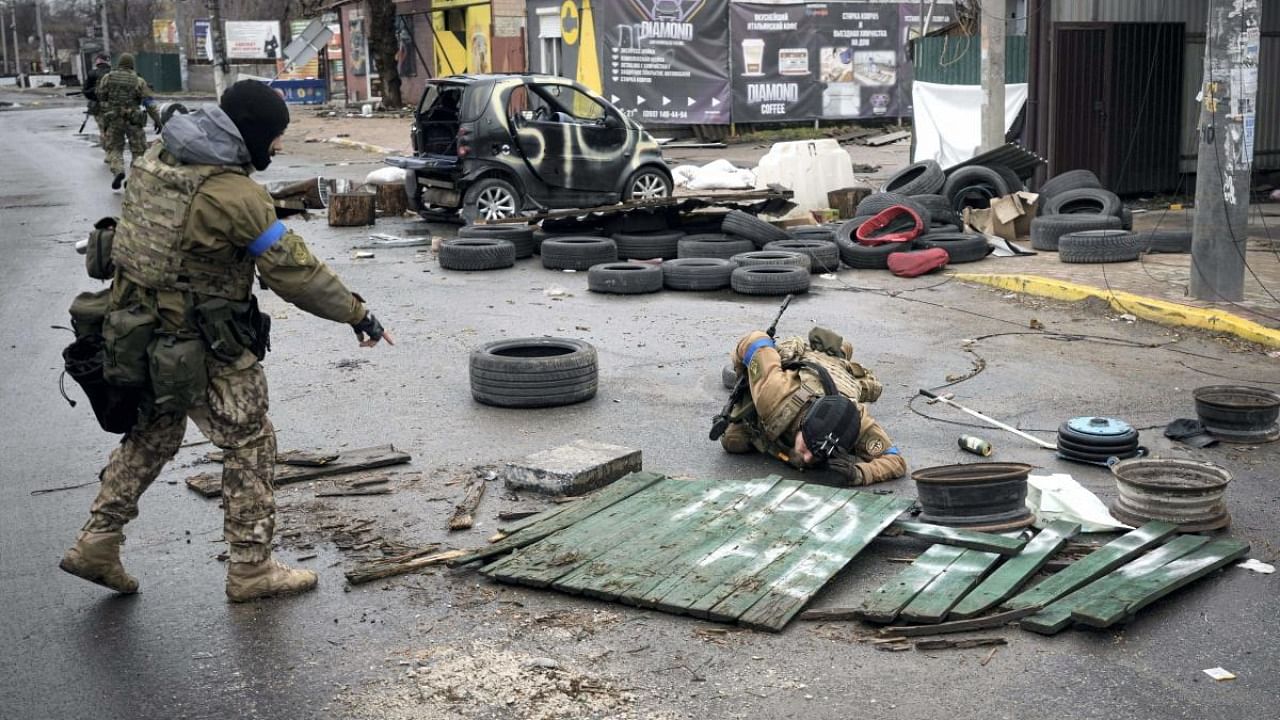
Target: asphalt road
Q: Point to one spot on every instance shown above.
(68, 650)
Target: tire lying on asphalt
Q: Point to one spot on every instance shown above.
(862, 257)
(812, 232)
(1126, 218)
(577, 252)
(922, 178)
(824, 256)
(1099, 246)
(477, 254)
(520, 236)
(770, 280)
(772, 257)
(647, 246)
(879, 202)
(1165, 241)
(973, 180)
(746, 225)
(712, 245)
(1069, 180)
(534, 372)
(624, 278)
(697, 273)
(1047, 229)
(960, 247)
(1085, 201)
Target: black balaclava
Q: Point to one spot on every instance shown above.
(259, 114)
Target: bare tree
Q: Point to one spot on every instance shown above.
(383, 44)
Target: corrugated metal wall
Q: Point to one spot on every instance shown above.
(957, 60)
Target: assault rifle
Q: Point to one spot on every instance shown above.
(720, 422)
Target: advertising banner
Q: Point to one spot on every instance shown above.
(252, 40)
(200, 29)
(164, 32)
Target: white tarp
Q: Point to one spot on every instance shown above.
(1060, 497)
(948, 119)
(715, 175)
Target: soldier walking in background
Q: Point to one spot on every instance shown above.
(101, 67)
(123, 97)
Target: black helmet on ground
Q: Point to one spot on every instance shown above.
(260, 115)
(832, 423)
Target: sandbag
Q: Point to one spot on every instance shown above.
(917, 262)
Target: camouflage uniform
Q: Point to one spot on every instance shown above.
(120, 93)
(768, 419)
(99, 71)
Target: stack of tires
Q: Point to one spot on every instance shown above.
(1086, 223)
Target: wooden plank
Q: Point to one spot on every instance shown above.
(789, 582)
(377, 570)
(583, 542)
(955, 626)
(986, 542)
(620, 490)
(1125, 601)
(886, 139)
(1056, 616)
(464, 512)
(889, 599)
(705, 566)
(1009, 577)
(1098, 563)
(210, 484)
(932, 604)
(648, 556)
(926, 645)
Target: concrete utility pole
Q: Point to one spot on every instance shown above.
(180, 19)
(4, 45)
(993, 27)
(44, 55)
(1228, 115)
(219, 50)
(106, 33)
(17, 52)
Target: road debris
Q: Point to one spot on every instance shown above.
(1255, 565)
(572, 469)
(210, 484)
(925, 645)
(1220, 674)
(464, 512)
(390, 567)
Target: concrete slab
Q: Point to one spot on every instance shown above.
(572, 469)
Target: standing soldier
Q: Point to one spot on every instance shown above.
(120, 92)
(182, 321)
(101, 66)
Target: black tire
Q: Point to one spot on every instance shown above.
(940, 210)
(971, 178)
(490, 199)
(647, 184)
(960, 247)
(756, 258)
(1085, 201)
(877, 203)
(728, 377)
(750, 227)
(624, 278)
(1165, 241)
(572, 226)
(812, 232)
(1069, 180)
(1092, 441)
(577, 252)
(713, 246)
(1047, 229)
(945, 229)
(534, 372)
(1126, 218)
(697, 273)
(1095, 457)
(520, 236)
(770, 280)
(702, 223)
(1093, 448)
(921, 178)
(1011, 178)
(646, 246)
(636, 222)
(863, 257)
(1099, 246)
(824, 256)
(477, 254)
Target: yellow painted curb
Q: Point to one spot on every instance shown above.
(1159, 311)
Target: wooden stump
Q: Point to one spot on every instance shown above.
(846, 200)
(351, 209)
(392, 199)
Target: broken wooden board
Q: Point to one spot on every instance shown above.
(970, 539)
(889, 599)
(932, 604)
(210, 484)
(750, 551)
(1056, 616)
(1125, 601)
(1011, 576)
(464, 512)
(926, 645)
(956, 626)
(1095, 565)
(886, 139)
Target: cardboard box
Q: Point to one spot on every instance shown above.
(1009, 217)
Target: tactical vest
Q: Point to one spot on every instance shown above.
(119, 94)
(148, 247)
(853, 380)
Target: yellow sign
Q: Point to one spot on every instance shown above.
(569, 23)
(164, 32)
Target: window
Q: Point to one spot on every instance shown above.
(568, 104)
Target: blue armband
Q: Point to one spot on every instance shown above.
(893, 451)
(753, 347)
(267, 239)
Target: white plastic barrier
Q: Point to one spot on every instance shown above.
(809, 168)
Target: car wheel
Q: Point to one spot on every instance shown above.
(490, 199)
(534, 372)
(647, 185)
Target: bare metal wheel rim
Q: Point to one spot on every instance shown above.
(1188, 493)
(495, 204)
(648, 187)
(991, 496)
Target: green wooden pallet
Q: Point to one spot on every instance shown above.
(1016, 571)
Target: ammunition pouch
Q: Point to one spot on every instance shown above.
(179, 377)
(89, 311)
(127, 334)
(97, 256)
(116, 408)
(229, 328)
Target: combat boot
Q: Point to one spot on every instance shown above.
(269, 578)
(96, 558)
